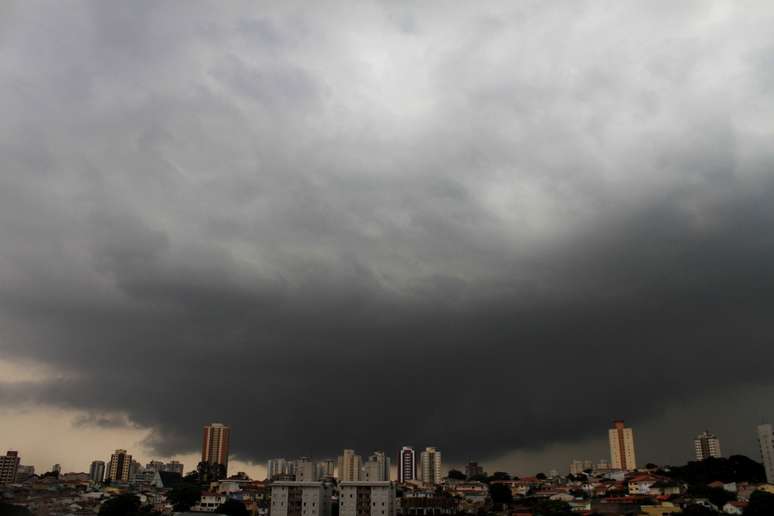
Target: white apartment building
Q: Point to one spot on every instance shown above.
(377, 469)
(766, 442)
(706, 445)
(300, 499)
(367, 499)
(622, 454)
(306, 470)
(430, 466)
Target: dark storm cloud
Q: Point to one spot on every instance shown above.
(388, 227)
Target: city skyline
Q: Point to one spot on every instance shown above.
(385, 223)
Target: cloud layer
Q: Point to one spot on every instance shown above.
(488, 229)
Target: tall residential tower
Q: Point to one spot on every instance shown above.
(622, 454)
(706, 445)
(766, 442)
(407, 464)
(215, 444)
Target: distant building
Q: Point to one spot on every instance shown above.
(306, 470)
(350, 466)
(407, 464)
(377, 469)
(579, 466)
(173, 466)
(215, 444)
(9, 465)
(706, 445)
(155, 465)
(326, 469)
(276, 468)
(622, 454)
(24, 472)
(766, 442)
(473, 470)
(430, 465)
(119, 467)
(97, 471)
(367, 499)
(56, 468)
(602, 465)
(300, 499)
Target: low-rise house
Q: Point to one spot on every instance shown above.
(735, 507)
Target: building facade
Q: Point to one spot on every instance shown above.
(326, 469)
(766, 443)
(9, 465)
(350, 466)
(430, 466)
(300, 499)
(706, 445)
(173, 466)
(24, 472)
(119, 468)
(97, 471)
(367, 499)
(377, 469)
(306, 470)
(472, 469)
(216, 439)
(407, 464)
(622, 455)
(276, 468)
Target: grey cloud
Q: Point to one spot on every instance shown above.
(501, 245)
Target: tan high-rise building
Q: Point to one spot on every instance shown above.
(706, 445)
(215, 444)
(9, 465)
(622, 454)
(119, 467)
(377, 469)
(430, 466)
(350, 466)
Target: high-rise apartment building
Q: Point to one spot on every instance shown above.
(173, 466)
(215, 444)
(24, 472)
(430, 465)
(119, 468)
(97, 471)
(766, 442)
(472, 469)
(276, 468)
(377, 469)
(622, 454)
(326, 469)
(300, 499)
(154, 465)
(306, 470)
(706, 445)
(367, 499)
(407, 464)
(9, 465)
(350, 466)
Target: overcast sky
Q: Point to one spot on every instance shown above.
(490, 227)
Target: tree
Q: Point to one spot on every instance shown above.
(541, 476)
(455, 474)
(183, 496)
(208, 472)
(761, 504)
(698, 510)
(650, 465)
(545, 507)
(500, 494)
(716, 495)
(7, 509)
(233, 508)
(121, 505)
(736, 468)
(499, 475)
